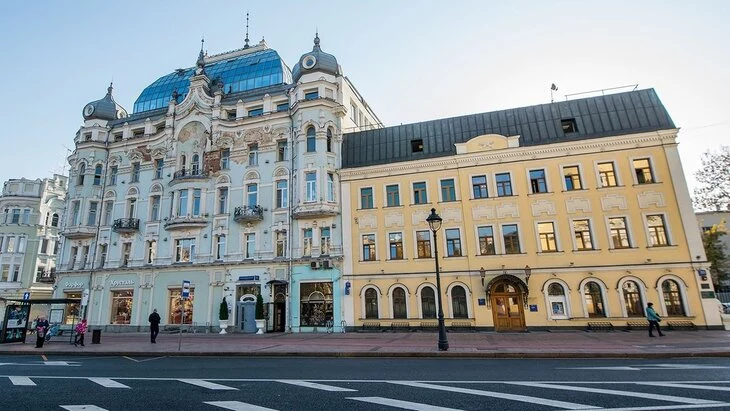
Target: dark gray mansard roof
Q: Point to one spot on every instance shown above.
(595, 117)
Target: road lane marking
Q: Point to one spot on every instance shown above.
(406, 405)
(21, 381)
(670, 407)
(502, 395)
(144, 360)
(205, 384)
(107, 382)
(316, 386)
(88, 407)
(646, 395)
(690, 386)
(237, 406)
(44, 357)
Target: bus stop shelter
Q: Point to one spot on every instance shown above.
(63, 313)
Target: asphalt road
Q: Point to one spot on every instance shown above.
(218, 383)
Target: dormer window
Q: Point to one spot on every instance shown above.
(417, 146)
(256, 111)
(87, 136)
(311, 94)
(568, 125)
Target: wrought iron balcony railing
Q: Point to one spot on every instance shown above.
(125, 225)
(248, 213)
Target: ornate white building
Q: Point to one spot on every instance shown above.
(224, 175)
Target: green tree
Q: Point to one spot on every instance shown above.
(223, 312)
(259, 307)
(715, 251)
(713, 190)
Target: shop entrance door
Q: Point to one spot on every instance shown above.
(507, 307)
(279, 317)
(247, 316)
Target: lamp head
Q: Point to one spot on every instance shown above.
(528, 273)
(434, 220)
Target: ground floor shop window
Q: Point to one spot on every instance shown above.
(178, 307)
(316, 303)
(122, 306)
(72, 312)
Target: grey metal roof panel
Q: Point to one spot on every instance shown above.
(595, 117)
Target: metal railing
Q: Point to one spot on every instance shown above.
(247, 213)
(125, 224)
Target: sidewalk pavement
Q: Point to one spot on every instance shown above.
(536, 344)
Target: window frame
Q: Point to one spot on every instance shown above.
(604, 297)
(518, 236)
(453, 243)
(419, 244)
(627, 227)
(414, 192)
(367, 198)
(665, 227)
(483, 188)
(396, 249)
(591, 234)
(480, 248)
(599, 174)
(579, 176)
(448, 191)
(501, 185)
(372, 247)
(394, 195)
(563, 299)
(650, 166)
(547, 237)
(535, 183)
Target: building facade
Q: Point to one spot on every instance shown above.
(29, 235)
(563, 215)
(706, 220)
(224, 175)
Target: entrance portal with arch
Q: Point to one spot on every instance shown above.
(507, 297)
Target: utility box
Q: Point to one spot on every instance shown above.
(96, 336)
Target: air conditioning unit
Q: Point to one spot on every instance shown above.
(314, 265)
(326, 264)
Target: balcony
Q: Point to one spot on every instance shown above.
(46, 278)
(313, 210)
(125, 225)
(79, 232)
(185, 222)
(188, 175)
(248, 214)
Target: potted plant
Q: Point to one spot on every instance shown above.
(223, 316)
(260, 321)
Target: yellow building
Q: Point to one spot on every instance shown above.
(562, 215)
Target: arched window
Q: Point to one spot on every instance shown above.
(54, 220)
(82, 171)
(371, 303)
(195, 165)
(329, 140)
(311, 140)
(594, 300)
(558, 302)
(399, 303)
(458, 302)
(428, 303)
(632, 299)
(673, 298)
(97, 175)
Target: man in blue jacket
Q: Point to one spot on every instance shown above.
(654, 319)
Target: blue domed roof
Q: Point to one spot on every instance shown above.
(240, 73)
(316, 60)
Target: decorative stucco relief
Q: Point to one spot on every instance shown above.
(508, 210)
(650, 198)
(419, 217)
(578, 204)
(613, 201)
(541, 207)
(451, 214)
(368, 221)
(481, 212)
(394, 220)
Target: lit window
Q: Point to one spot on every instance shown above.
(546, 232)
(607, 175)
(618, 232)
(181, 310)
(632, 299)
(657, 230)
(368, 247)
(395, 241)
(486, 240)
(121, 303)
(594, 300)
(582, 233)
(423, 243)
(571, 175)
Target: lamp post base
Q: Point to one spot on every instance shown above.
(443, 342)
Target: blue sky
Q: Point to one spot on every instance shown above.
(411, 60)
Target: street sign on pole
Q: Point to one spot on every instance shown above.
(185, 289)
(26, 295)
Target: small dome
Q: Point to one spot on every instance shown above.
(316, 60)
(104, 109)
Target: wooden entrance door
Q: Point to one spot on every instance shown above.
(507, 307)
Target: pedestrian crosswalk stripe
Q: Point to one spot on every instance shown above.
(506, 396)
(82, 408)
(690, 386)
(646, 395)
(316, 386)
(206, 384)
(107, 382)
(406, 405)
(237, 406)
(21, 381)
(670, 407)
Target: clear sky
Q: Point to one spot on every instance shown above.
(411, 60)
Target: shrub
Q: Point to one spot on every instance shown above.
(259, 307)
(223, 313)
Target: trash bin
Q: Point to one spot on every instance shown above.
(96, 336)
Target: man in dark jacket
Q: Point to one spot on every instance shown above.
(154, 326)
(41, 328)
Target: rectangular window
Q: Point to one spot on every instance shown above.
(582, 233)
(135, 172)
(448, 190)
(353, 113)
(74, 213)
(222, 200)
(126, 254)
(282, 106)
(307, 242)
(282, 194)
(44, 246)
(392, 195)
(423, 244)
(619, 233)
(220, 246)
(97, 175)
(181, 310)
(486, 240)
(252, 195)
(538, 183)
(657, 230)
(155, 208)
(159, 167)
(546, 232)
(253, 154)
(93, 207)
(311, 95)
(121, 303)
(419, 193)
(196, 202)
(571, 175)
(182, 203)
(395, 242)
(643, 172)
(150, 251)
(366, 197)
(504, 184)
(568, 125)
(479, 186)
(184, 250)
(108, 212)
(282, 151)
(102, 255)
(26, 216)
(607, 174)
(417, 146)
(281, 243)
(256, 111)
(113, 171)
(250, 241)
(511, 238)
(453, 242)
(330, 187)
(16, 216)
(225, 159)
(325, 241)
(311, 180)
(368, 247)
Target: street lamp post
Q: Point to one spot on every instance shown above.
(434, 222)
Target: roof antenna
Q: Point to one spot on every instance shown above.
(246, 40)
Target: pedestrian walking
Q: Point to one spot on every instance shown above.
(654, 320)
(80, 331)
(41, 328)
(154, 326)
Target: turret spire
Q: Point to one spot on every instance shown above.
(201, 57)
(246, 40)
(316, 40)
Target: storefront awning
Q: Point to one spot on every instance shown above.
(277, 282)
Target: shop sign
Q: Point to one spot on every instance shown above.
(77, 284)
(248, 278)
(119, 283)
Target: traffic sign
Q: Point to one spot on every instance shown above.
(186, 289)
(26, 295)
